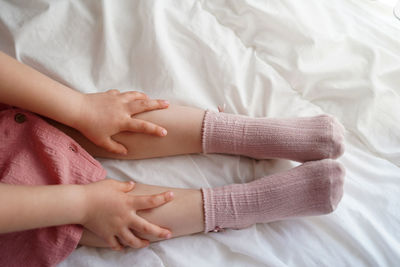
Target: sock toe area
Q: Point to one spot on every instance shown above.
(329, 177)
(336, 138)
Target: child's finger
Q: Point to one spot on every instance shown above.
(113, 243)
(153, 201)
(145, 227)
(141, 126)
(114, 147)
(131, 240)
(113, 91)
(140, 106)
(126, 186)
(134, 95)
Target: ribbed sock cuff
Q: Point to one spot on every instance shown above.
(209, 213)
(206, 130)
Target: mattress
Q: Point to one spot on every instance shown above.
(259, 58)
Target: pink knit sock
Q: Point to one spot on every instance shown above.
(299, 139)
(313, 188)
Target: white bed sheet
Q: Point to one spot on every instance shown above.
(261, 58)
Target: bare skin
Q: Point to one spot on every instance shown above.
(184, 135)
(98, 116)
(183, 215)
(104, 207)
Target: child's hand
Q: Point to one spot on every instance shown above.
(105, 114)
(111, 213)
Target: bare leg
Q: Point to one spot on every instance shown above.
(184, 135)
(299, 139)
(314, 188)
(183, 216)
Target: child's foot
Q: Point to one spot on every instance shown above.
(298, 139)
(313, 188)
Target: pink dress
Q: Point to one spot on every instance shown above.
(32, 152)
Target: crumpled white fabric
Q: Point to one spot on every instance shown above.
(261, 58)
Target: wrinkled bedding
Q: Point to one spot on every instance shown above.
(260, 58)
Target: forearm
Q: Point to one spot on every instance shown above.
(28, 207)
(24, 87)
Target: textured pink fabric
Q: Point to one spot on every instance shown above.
(313, 188)
(34, 153)
(298, 139)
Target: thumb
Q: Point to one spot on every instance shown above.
(115, 147)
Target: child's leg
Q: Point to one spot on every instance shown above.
(183, 217)
(192, 130)
(184, 135)
(313, 188)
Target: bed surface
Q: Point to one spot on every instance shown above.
(261, 58)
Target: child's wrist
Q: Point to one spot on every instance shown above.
(76, 116)
(80, 203)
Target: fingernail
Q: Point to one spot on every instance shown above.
(170, 195)
(164, 132)
(165, 102)
(168, 236)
